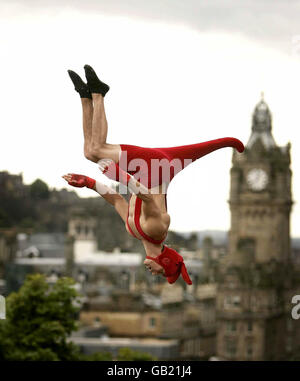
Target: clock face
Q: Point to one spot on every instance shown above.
(257, 179)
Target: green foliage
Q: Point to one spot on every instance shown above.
(193, 242)
(124, 354)
(127, 354)
(27, 222)
(39, 190)
(39, 319)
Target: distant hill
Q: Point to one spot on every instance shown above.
(220, 237)
(296, 243)
(45, 210)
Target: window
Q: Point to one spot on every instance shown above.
(246, 246)
(231, 326)
(232, 301)
(249, 350)
(236, 301)
(152, 322)
(97, 321)
(78, 229)
(289, 325)
(230, 347)
(250, 327)
(253, 302)
(289, 344)
(124, 280)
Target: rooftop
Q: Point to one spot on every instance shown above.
(96, 259)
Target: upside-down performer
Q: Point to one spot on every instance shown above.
(146, 172)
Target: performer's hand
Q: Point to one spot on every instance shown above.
(104, 164)
(111, 170)
(79, 181)
(153, 267)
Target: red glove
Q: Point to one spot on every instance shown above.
(81, 181)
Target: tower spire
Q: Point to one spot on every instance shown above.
(261, 125)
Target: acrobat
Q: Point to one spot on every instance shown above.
(145, 172)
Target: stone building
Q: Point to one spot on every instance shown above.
(254, 296)
(12, 184)
(129, 314)
(202, 344)
(144, 315)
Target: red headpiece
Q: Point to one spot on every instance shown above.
(173, 264)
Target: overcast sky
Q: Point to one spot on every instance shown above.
(180, 72)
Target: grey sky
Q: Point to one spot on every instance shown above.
(270, 21)
(180, 72)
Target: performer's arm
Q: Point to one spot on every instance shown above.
(123, 177)
(109, 194)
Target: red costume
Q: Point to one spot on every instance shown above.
(154, 166)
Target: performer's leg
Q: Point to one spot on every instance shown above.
(99, 129)
(98, 148)
(87, 118)
(94, 119)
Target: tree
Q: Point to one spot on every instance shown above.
(39, 190)
(38, 321)
(193, 241)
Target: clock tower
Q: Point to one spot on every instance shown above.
(260, 197)
(256, 281)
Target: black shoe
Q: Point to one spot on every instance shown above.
(94, 83)
(80, 86)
